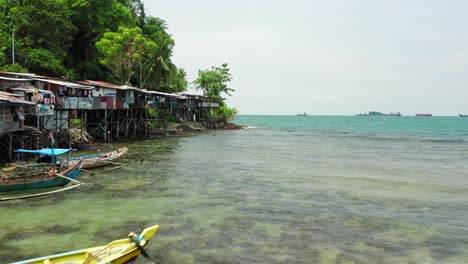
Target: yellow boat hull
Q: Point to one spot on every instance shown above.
(123, 251)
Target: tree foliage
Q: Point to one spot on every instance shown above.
(41, 29)
(226, 113)
(177, 84)
(122, 50)
(137, 8)
(213, 82)
(161, 73)
(92, 19)
(5, 32)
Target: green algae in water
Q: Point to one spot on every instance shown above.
(126, 184)
(304, 194)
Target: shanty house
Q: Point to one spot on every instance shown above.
(110, 96)
(11, 111)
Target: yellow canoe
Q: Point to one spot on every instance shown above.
(123, 251)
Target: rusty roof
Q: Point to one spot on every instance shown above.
(13, 99)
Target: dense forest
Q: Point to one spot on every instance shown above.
(111, 40)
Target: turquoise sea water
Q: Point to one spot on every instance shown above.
(287, 189)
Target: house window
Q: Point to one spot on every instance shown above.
(5, 114)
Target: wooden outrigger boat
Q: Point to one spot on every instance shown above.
(26, 176)
(123, 251)
(44, 174)
(98, 160)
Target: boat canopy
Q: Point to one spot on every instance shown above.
(45, 151)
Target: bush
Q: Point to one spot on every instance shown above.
(14, 68)
(226, 113)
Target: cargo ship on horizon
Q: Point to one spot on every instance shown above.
(423, 115)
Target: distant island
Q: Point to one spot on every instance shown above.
(375, 113)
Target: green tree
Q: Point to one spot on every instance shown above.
(13, 68)
(121, 51)
(92, 19)
(177, 84)
(161, 74)
(137, 8)
(5, 31)
(43, 34)
(214, 82)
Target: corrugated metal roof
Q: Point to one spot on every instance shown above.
(30, 89)
(161, 93)
(66, 84)
(14, 79)
(195, 95)
(27, 75)
(20, 89)
(103, 84)
(27, 87)
(12, 98)
(8, 94)
(135, 88)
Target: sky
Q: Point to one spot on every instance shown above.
(327, 57)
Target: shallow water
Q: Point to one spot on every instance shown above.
(285, 190)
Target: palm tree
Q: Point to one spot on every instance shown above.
(158, 66)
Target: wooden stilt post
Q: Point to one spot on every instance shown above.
(86, 121)
(68, 134)
(146, 123)
(118, 123)
(81, 126)
(128, 123)
(10, 147)
(105, 125)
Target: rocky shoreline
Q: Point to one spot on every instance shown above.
(170, 130)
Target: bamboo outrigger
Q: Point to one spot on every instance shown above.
(123, 251)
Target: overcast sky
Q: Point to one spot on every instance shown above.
(327, 57)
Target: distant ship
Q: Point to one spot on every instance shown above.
(423, 114)
(303, 114)
(463, 115)
(362, 114)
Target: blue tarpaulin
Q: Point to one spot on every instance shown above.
(44, 151)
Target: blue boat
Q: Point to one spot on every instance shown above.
(26, 176)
